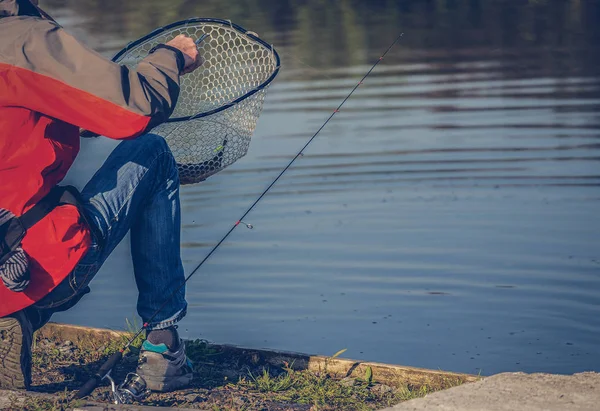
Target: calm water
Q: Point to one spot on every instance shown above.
(447, 218)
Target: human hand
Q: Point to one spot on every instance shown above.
(188, 47)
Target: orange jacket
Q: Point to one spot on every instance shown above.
(50, 86)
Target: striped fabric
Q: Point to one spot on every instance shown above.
(15, 271)
(5, 216)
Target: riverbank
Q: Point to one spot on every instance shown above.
(226, 377)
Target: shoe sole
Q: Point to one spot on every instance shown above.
(13, 355)
(167, 384)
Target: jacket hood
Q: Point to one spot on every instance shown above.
(9, 8)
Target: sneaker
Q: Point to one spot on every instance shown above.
(162, 369)
(16, 335)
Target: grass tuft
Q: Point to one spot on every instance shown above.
(133, 327)
(268, 383)
(322, 391)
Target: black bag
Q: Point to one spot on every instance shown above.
(14, 264)
(12, 232)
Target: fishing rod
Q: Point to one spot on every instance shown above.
(134, 386)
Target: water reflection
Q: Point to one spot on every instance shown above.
(447, 218)
(559, 35)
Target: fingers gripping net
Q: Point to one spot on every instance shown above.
(219, 103)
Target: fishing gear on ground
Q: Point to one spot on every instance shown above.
(133, 388)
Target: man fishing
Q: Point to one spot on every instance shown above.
(53, 241)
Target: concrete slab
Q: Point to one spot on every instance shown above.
(515, 392)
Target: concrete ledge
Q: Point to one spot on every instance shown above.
(515, 391)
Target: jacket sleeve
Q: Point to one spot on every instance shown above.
(61, 78)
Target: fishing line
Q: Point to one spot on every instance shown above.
(114, 359)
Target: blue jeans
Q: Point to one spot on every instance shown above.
(136, 188)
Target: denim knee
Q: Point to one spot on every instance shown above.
(155, 143)
(159, 147)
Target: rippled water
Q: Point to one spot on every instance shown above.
(446, 218)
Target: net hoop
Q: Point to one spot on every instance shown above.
(227, 23)
(219, 103)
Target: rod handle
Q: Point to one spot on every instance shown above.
(93, 382)
(87, 388)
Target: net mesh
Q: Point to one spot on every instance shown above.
(235, 64)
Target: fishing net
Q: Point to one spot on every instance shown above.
(219, 103)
